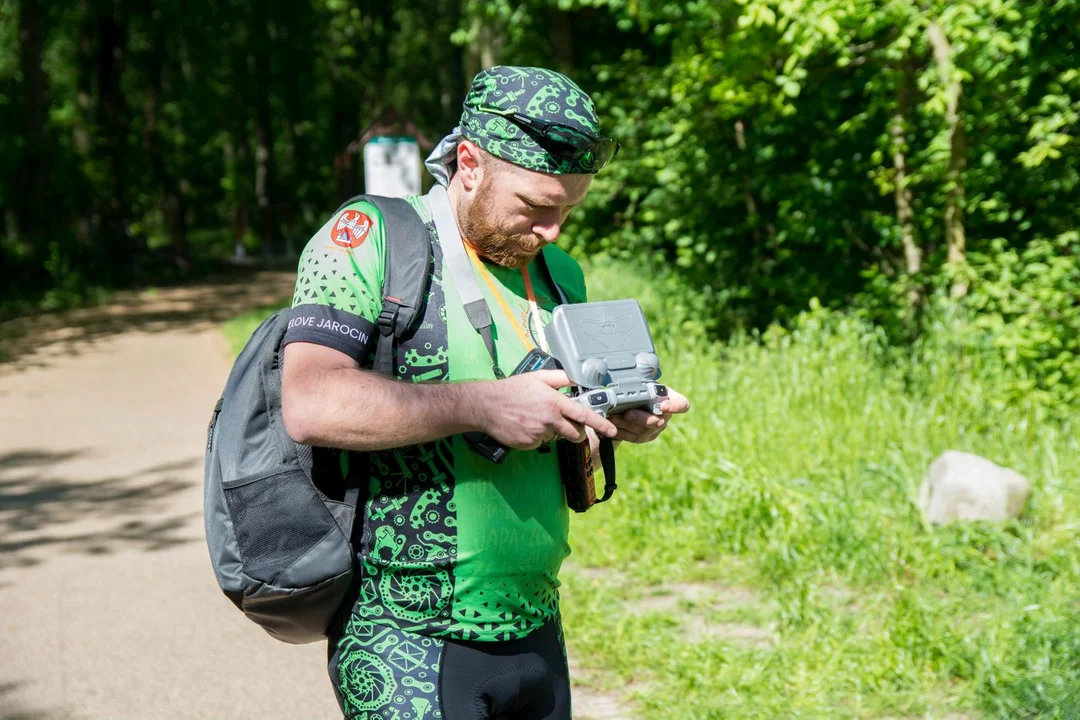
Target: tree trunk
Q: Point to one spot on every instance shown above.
(344, 121)
(561, 39)
(173, 205)
(237, 149)
(905, 211)
(238, 160)
(485, 50)
(294, 168)
(33, 223)
(387, 31)
(454, 84)
(490, 46)
(234, 158)
(82, 132)
(264, 149)
(753, 213)
(954, 203)
(117, 247)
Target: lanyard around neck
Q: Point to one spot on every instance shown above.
(456, 259)
(534, 309)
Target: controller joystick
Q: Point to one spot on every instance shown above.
(596, 372)
(648, 365)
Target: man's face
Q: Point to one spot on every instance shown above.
(514, 212)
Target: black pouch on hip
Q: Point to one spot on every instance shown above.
(576, 468)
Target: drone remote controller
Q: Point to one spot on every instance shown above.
(606, 349)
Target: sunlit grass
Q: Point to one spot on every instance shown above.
(796, 475)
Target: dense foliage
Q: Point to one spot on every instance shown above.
(914, 161)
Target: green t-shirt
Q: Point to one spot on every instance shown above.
(452, 545)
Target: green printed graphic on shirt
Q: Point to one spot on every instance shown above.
(450, 544)
(383, 673)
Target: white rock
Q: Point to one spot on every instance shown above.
(963, 486)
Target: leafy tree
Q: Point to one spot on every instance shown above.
(869, 154)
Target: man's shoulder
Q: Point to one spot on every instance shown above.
(358, 229)
(367, 208)
(342, 264)
(368, 204)
(357, 225)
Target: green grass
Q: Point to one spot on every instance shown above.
(788, 495)
(796, 476)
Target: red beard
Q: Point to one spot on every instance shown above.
(490, 240)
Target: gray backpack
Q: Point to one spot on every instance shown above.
(278, 515)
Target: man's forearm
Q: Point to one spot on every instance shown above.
(359, 410)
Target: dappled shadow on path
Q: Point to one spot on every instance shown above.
(41, 512)
(10, 710)
(31, 341)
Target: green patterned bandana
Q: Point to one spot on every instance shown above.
(537, 119)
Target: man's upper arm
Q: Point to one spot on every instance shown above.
(338, 294)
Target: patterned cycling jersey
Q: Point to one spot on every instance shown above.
(451, 545)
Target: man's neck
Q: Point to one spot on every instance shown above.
(455, 192)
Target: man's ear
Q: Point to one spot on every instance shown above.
(469, 165)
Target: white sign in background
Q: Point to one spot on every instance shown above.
(392, 166)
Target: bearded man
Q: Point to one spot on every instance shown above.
(455, 613)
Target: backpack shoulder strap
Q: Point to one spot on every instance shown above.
(270, 364)
(550, 277)
(406, 274)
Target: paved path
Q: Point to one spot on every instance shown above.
(108, 606)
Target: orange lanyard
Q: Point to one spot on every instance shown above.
(534, 310)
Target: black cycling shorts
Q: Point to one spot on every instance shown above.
(382, 673)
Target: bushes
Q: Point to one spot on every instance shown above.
(1026, 307)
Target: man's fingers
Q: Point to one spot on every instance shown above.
(581, 414)
(581, 436)
(636, 432)
(599, 423)
(554, 378)
(639, 419)
(593, 439)
(637, 437)
(570, 430)
(676, 403)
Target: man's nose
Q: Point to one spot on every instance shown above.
(548, 231)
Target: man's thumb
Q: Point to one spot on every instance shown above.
(554, 378)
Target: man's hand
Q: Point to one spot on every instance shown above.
(526, 410)
(641, 426)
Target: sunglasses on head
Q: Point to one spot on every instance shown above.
(582, 150)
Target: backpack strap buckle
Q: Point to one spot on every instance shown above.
(387, 319)
(387, 323)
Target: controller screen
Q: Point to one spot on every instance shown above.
(615, 331)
